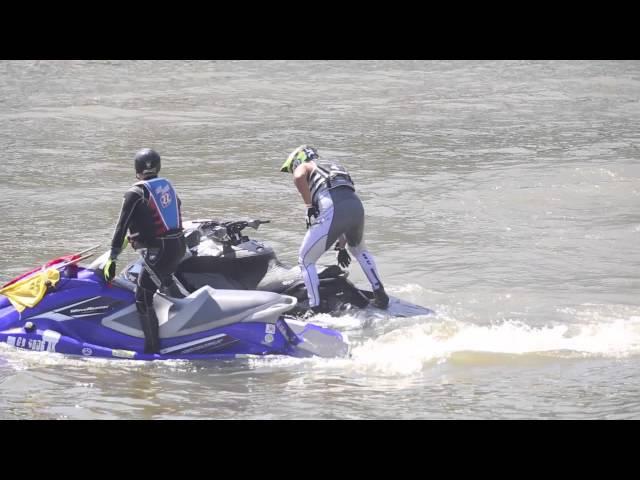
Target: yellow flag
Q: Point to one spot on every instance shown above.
(29, 291)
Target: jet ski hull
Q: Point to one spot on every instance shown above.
(224, 344)
(84, 316)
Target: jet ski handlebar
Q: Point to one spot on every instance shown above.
(229, 233)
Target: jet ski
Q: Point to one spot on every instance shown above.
(69, 308)
(221, 255)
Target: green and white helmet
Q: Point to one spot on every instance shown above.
(304, 153)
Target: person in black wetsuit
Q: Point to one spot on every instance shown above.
(151, 211)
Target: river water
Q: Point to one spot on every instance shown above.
(504, 195)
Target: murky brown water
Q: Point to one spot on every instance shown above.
(504, 195)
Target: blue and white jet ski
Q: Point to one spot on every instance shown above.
(68, 308)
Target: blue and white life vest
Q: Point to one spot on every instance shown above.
(163, 200)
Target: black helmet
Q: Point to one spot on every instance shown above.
(147, 162)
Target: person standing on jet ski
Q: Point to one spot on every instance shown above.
(151, 211)
(334, 212)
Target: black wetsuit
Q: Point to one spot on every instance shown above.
(158, 230)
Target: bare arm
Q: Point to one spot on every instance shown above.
(300, 176)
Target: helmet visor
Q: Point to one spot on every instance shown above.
(287, 166)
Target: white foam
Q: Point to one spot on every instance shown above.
(407, 346)
(21, 359)
(408, 350)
